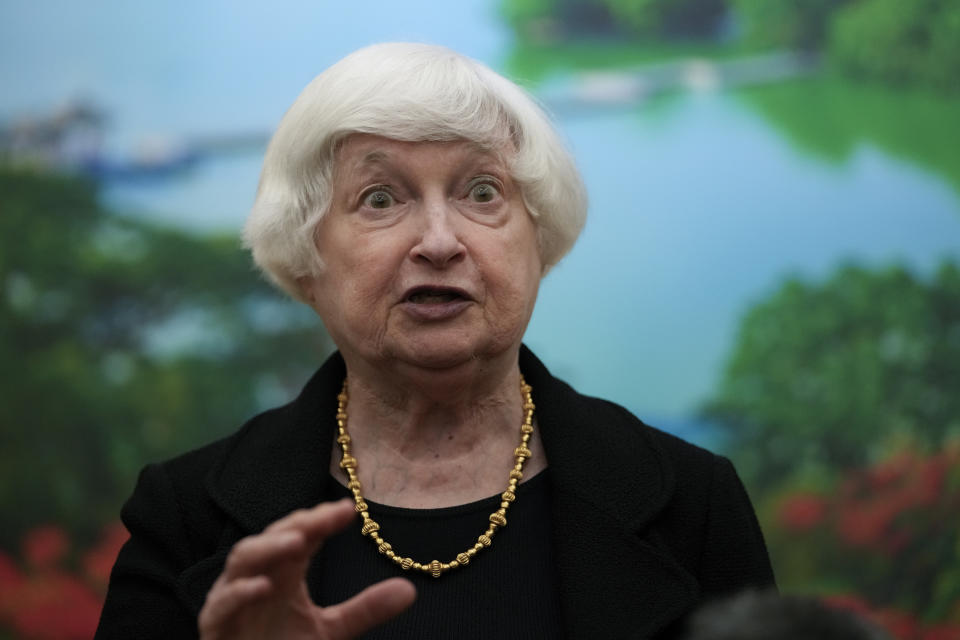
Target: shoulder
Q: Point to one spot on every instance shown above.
(678, 497)
(277, 441)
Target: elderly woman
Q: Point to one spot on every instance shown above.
(415, 199)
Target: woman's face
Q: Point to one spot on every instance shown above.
(430, 257)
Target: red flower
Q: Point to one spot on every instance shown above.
(864, 525)
(847, 602)
(99, 561)
(942, 632)
(899, 624)
(802, 512)
(45, 546)
(11, 582)
(56, 606)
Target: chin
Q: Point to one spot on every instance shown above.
(444, 352)
(439, 357)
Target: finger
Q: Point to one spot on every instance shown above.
(319, 523)
(227, 599)
(371, 607)
(257, 554)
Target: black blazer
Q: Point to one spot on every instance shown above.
(648, 526)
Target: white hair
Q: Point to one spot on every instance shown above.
(407, 92)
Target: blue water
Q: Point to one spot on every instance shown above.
(696, 214)
(698, 208)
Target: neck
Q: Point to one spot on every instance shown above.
(437, 438)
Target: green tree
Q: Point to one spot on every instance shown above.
(668, 19)
(786, 23)
(123, 342)
(900, 43)
(834, 118)
(830, 376)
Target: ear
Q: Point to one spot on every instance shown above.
(306, 285)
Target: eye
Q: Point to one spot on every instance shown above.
(483, 192)
(379, 199)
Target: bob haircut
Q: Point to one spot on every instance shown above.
(407, 92)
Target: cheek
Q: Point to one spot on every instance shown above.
(517, 276)
(364, 265)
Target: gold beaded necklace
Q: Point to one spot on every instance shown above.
(498, 518)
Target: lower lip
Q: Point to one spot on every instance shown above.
(436, 310)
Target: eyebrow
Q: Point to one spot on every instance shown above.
(377, 156)
(373, 157)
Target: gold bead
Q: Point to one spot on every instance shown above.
(497, 519)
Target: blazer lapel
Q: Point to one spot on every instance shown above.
(286, 465)
(608, 485)
(279, 463)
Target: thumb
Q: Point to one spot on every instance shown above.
(371, 607)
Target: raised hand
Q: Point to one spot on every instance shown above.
(262, 592)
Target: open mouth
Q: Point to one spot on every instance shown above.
(431, 295)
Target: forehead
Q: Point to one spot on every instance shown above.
(360, 150)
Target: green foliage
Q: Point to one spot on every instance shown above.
(832, 117)
(898, 42)
(530, 63)
(666, 19)
(545, 21)
(122, 343)
(892, 41)
(887, 533)
(521, 13)
(786, 23)
(830, 376)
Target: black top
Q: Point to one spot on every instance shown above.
(508, 590)
(644, 526)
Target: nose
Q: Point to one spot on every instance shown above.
(438, 243)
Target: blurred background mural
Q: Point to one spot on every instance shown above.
(771, 267)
